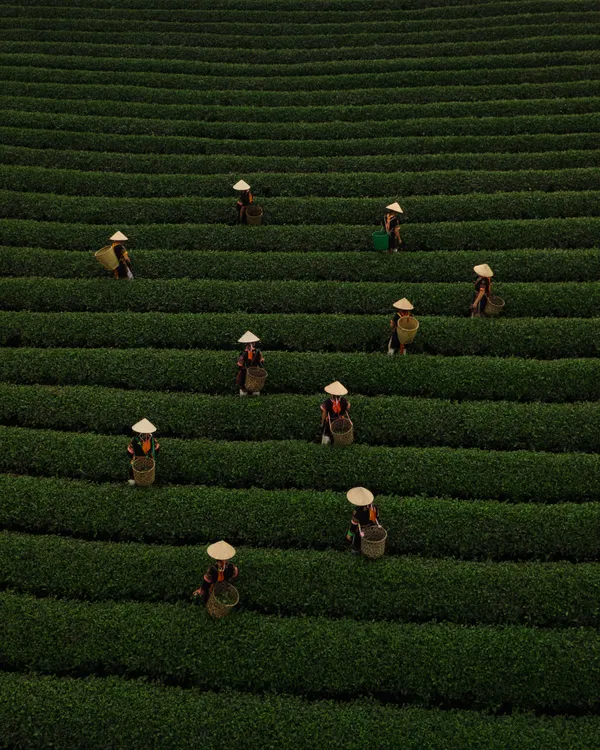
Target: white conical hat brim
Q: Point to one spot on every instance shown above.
(143, 426)
(248, 338)
(360, 496)
(241, 185)
(483, 270)
(221, 551)
(335, 389)
(395, 207)
(403, 304)
(119, 237)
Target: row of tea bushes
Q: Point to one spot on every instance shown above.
(539, 338)
(550, 265)
(65, 712)
(403, 589)
(435, 527)
(385, 420)
(564, 300)
(92, 161)
(22, 134)
(481, 666)
(346, 185)
(458, 378)
(461, 473)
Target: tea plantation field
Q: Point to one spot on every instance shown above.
(480, 628)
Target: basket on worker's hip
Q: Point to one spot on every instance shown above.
(381, 240)
(254, 215)
(223, 598)
(342, 431)
(407, 330)
(372, 544)
(107, 257)
(255, 379)
(144, 468)
(493, 306)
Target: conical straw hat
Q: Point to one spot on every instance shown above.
(241, 185)
(395, 207)
(143, 426)
(119, 237)
(360, 496)
(335, 389)
(248, 338)
(483, 270)
(221, 551)
(403, 304)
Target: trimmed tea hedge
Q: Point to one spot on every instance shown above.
(459, 378)
(484, 530)
(91, 161)
(462, 473)
(482, 666)
(431, 93)
(431, 266)
(65, 714)
(563, 300)
(407, 589)
(39, 138)
(345, 185)
(426, 126)
(504, 40)
(391, 421)
(526, 337)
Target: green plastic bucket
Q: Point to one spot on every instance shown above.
(380, 240)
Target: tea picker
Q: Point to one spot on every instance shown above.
(404, 314)
(222, 571)
(364, 515)
(114, 257)
(485, 304)
(391, 224)
(334, 408)
(251, 374)
(142, 450)
(245, 199)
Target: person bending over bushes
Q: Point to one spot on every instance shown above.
(222, 571)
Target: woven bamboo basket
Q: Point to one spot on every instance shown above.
(407, 330)
(107, 257)
(255, 379)
(343, 431)
(372, 544)
(219, 609)
(144, 470)
(493, 306)
(254, 215)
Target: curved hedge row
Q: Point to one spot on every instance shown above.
(91, 161)
(313, 10)
(389, 421)
(432, 266)
(65, 713)
(563, 300)
(361, 55)
(458, 378)
(257, 98)
(483, 530)
(377, 77)
(352, 212)
(40, 138)
(462, 473)
(528, 337)
(320, 131)
(403, 589)
(344, 185)
(484, 666)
